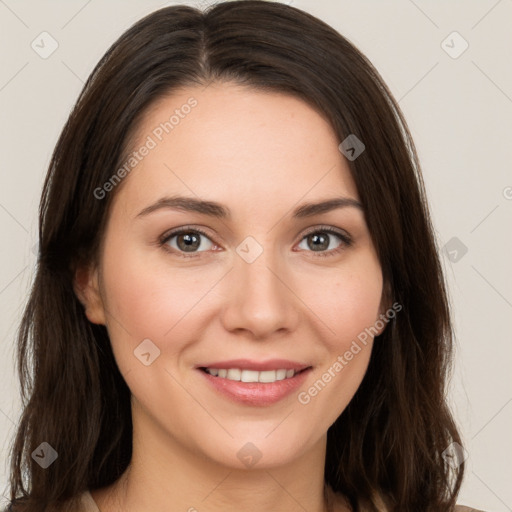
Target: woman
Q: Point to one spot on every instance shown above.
(238, 302)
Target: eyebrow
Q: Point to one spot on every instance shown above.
(217, 210)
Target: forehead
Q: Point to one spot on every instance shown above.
(231, 143)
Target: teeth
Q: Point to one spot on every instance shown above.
(237, 374)
(234, 374)
(267, 376)
(249, 376)
(280, 374)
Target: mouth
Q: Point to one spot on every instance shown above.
(255, 384)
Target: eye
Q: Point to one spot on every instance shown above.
(320, 240)
(187, 240)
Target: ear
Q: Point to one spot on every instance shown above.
(86, 287)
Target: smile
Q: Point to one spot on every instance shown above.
(240, 375)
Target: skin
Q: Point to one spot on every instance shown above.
(260, 154)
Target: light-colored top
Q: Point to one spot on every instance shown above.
(89, 505)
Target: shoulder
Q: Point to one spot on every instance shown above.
(463, 508)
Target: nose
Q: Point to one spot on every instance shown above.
(260, 298)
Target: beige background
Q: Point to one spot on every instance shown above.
(459, 111)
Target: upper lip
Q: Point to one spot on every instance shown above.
(248, 364)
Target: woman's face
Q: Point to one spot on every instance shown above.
(273, 283)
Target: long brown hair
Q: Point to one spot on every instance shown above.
(391, 438)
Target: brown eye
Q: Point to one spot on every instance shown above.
(188, 241)
(318, 241)
(324, 241)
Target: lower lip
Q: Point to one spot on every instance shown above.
(257, 393)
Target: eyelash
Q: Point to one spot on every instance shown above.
(345, 239)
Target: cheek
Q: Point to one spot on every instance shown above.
(346, 301)
(134, 301)
(134, 295)
(147, 297)
(349, 306)
(358, 304)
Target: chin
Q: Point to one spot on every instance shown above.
(260, 451)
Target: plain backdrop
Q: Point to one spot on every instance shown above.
(456, 92)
